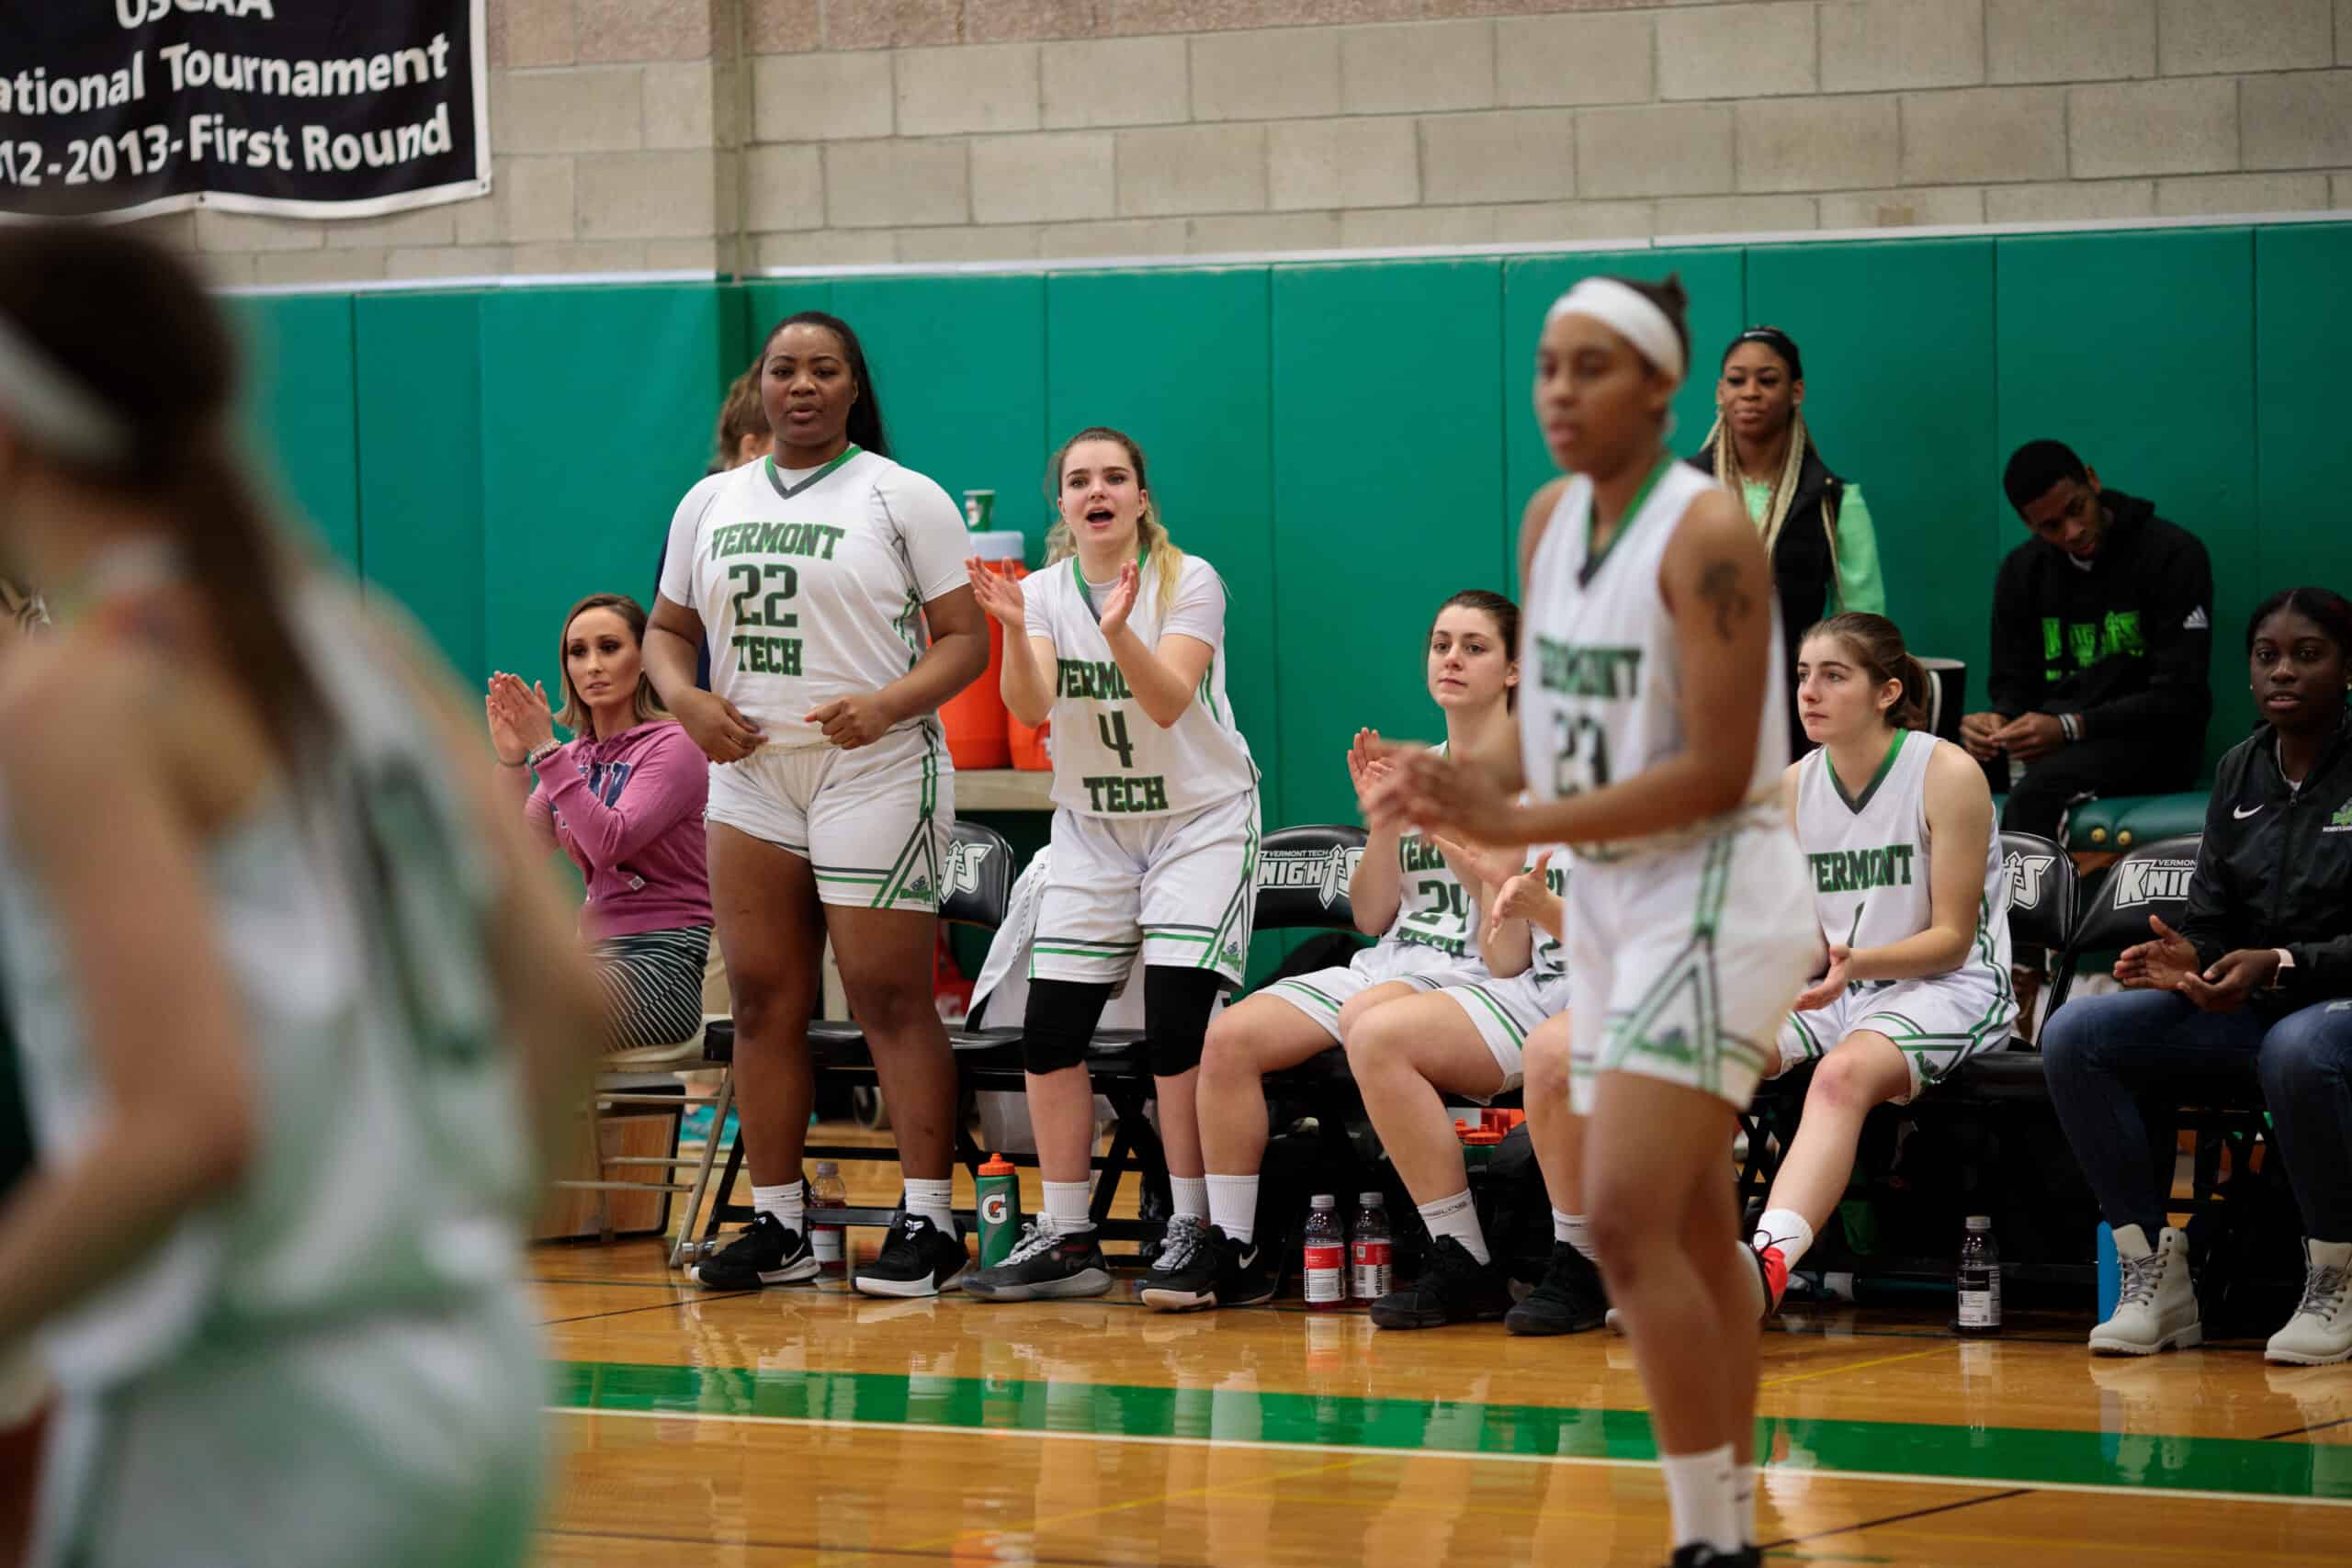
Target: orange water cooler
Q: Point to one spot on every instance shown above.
(975, 718)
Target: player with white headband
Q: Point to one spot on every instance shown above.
(1649, 623)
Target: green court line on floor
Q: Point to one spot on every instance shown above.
(2220, 1468)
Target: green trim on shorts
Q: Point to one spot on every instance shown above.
(1694, 967)
(914, 876)
(1311, 993)
(1233, 927)
(1502, 1014)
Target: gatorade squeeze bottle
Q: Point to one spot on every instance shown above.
(999, 1188)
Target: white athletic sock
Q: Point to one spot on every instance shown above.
(1703, 1491)
(1233, 1206)
(1786, 1229)
(1066, 1206)
(1192, 1195)
(934, 1201)
(1458, 1217)
(787, 1202)
(1576, 1231)
(1742, 1499)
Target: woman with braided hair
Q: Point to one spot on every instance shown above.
(1814, 524)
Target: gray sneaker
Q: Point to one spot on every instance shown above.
(1045, 1266)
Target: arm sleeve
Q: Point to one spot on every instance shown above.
(1858, 585)
(931, 528)
(1036, 614)
(538, 819)
(672, 780)
(678, 555)
(1199, 610)
(2014, 683)
(2177, 629)
(2210, 921)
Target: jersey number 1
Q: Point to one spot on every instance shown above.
(1114, 727)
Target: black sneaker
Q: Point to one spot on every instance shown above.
(764, 1253)
(1700, 1556)
(1216, 1272)
(1569, 1299)
(918, 1258)
(1045, 1266)
(1453, 1288)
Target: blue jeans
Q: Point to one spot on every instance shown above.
(2100, 1052)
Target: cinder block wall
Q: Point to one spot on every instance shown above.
(730, 134)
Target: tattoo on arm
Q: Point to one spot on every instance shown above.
(1719, 586)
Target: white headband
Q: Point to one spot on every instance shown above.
(1632, 314)
(47, 405)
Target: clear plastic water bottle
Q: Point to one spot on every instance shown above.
(1326, 1253)
(1370, 1273)
(828, 1242)
(1979, 1278)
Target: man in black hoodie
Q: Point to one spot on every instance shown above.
(2102, 625)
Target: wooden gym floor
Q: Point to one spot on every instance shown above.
(810, 1426)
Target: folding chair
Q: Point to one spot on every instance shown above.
(647, 1077)
(978, 888)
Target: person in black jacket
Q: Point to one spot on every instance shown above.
(2260, 972)
(2102, 626)
(1814, 525)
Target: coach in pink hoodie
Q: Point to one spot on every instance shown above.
(624, 798)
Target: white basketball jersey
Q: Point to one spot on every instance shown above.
(1606, 700)
(392, 1166)
(1434, 910)
(1869, 853)
(812, 590)
(1110, 759)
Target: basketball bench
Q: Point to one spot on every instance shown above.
(1302, 883)
(2004, 1093)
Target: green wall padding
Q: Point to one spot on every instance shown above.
(1347, 442)
(1388, 496)
(2137, 350)
(2302, 343)
(961, 366)
(420, 468)
(597, 409)
(301, 371)
(1900, 400)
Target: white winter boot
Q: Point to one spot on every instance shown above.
(2321, 1330)
(2157, 1309)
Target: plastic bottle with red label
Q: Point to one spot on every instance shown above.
(1370, 1261)
(1326, 1255)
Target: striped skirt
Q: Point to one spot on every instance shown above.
(652, 985)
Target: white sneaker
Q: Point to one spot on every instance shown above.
(2157, 1308)
(2321, 1331)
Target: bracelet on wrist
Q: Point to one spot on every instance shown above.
(538, 754)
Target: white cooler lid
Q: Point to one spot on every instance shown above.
(998, 544)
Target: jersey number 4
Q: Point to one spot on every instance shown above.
(1114, 727)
